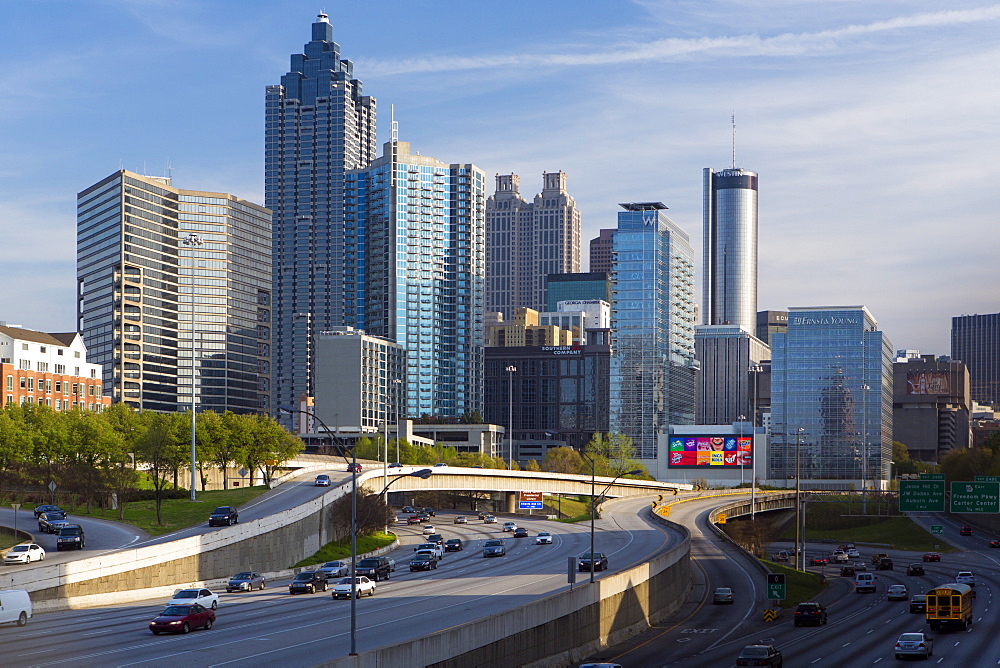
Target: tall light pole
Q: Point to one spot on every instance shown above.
(799, 538)
(864, 447)
(755, 369)
(510, 369)
(191, 241)
(397, 386)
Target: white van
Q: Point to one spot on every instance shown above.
(15, 606)
(864, 582)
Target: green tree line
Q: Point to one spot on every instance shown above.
(94, 454)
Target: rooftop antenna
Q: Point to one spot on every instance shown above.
(734, 139)
(394, 131)
(170, 170)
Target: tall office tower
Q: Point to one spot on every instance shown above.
(318, 125)
(729, 283)
(769, 323)
(169, 276)
(931, 409)
(975, 340)
(653, 362)
(414, 230)
(727, 388)
(527, 241)
(602, 251)
(585, 286)
(831, 397)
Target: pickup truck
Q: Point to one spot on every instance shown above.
(876, 558)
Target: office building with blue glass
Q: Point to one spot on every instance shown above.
(318, 125)
(415, 272)
(831, 399)
(653, 362)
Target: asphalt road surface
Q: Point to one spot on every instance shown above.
(272, 627)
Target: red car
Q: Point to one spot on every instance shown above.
(183, 618)
(932, 556)
(413, 519)
(819, 561)
(354, 468)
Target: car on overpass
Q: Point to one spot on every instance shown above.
(224, 515)
(24, 554)
(596, 561)
(51, 522)
(323, 480)
(48, 508)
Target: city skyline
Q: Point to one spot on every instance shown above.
(631, 101)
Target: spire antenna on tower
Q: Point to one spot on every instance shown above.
(394, 126)
(734, 139)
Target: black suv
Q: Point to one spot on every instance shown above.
(884, 565)
(915, 569)
(809, 613)
(308, 581)
(69, 536)
(453, 545)
(223, 515)
(377, 568)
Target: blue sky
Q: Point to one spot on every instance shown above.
(872, 124)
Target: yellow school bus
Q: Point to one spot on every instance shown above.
(950, 605)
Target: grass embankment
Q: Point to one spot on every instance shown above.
(573, 508)
(7, 538)
(177, 513)
(342, 550)
(799, 586)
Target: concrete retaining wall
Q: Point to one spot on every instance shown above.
(554, 631)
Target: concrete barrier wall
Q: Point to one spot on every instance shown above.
(554, 631)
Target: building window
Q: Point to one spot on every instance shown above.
(25, 365)
(58, 386)
(41, 348)
(24, 383)
(48, 385)
(24, 346)
(75, 389)
(31, 384)
(43, 367)
(91, 388)
(60, 368)
(76, 354)
(10, 382)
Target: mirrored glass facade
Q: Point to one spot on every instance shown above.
(730, 248)
(166, 275)
(975, 340)
(653, 362)
(318, 125)
(831, 378)
(416, 272)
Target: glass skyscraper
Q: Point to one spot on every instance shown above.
(653, 362)
(318, 125)
(831, 396)
(527, 241)
(166, 276)
(414, 228)
(975, 340)
(730, 248)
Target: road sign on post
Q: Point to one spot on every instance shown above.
(932, 476)
(921, 496)
(776, 586)
(720, 518)
(937, 528)
(975, 497)
(988, 478)
(530, 501)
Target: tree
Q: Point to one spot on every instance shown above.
(564, 460)
(157, 449)
(532, 465)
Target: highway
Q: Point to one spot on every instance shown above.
(271, 626)
(862, 628)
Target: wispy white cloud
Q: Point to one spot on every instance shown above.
(677, 49)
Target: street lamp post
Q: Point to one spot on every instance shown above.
(864, 448)
(396, 383)
(510, 369)
(593, 502)
(799, 538)
(191, 241)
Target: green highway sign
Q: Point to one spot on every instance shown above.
(937, 528)
(921, 496)
(932, 476)
(975, 497)
(776, 586)
(988, 478)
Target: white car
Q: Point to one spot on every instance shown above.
(202, 597)
(853, 553)
(966, 578)
(509, 526)
(429, 529)
(24, 554)
(543, 538)
(461, 519)
(489, 519)
(336, 569)
(362, 586)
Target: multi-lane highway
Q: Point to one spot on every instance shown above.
(273, 627)
(862, 628)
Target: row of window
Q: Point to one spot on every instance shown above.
(46, 385)
(58, 404)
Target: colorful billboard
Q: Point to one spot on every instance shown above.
(709, 451)
(928, 382)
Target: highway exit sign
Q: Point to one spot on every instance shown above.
(776, 586)
(937, 528)
(975, 497)
(921, 496)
